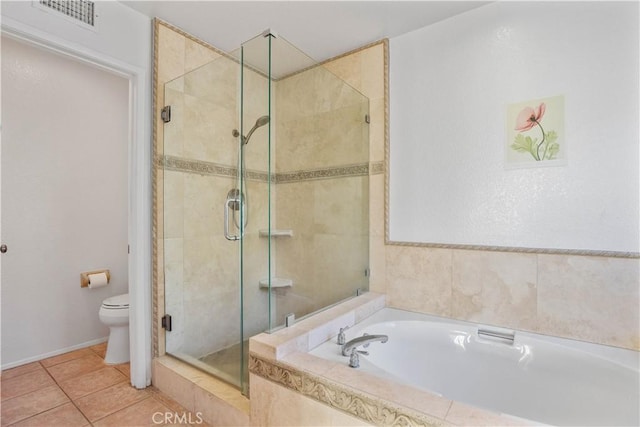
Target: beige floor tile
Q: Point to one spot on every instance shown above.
(124, 368)
(65, 357)
(30, 404)
(92, 382)
(21, 370)
(66, 415)
(76, 367)
(105, 402)
(148, 412)
(25, 383)
(100, 349)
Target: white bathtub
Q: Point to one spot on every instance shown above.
(539, 378)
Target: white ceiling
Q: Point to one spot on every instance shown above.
(321, 29)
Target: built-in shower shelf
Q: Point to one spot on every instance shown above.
(278, 232)
(276, 282)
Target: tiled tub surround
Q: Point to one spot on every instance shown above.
(587, 298)
(291, 387)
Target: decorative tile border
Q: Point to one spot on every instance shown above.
(324, 173)
(376, 168)
(576, 252)
(373, 411)
(179, 164)
(209, 168)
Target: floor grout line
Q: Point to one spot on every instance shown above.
(121, 409)
(151, 392)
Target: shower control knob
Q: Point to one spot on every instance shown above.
(3, 249)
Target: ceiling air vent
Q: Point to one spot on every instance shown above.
(79, 10)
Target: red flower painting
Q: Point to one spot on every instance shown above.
(543, 149)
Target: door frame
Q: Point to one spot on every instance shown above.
(139, 171)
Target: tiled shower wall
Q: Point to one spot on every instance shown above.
(186, 206)
(322, 152)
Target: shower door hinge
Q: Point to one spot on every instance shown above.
(165, 114)
(289, 320)
(166, 322)
(367, 118)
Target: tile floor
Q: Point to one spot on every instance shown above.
(79, 389)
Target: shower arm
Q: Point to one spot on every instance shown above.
(259, 123)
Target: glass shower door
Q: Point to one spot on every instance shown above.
(201, 267)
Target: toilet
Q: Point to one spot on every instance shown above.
(114, 313)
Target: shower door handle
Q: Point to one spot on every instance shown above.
(227, 206)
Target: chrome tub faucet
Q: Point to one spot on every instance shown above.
(350, 348)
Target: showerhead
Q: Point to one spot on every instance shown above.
(262, 121)
(259, 123)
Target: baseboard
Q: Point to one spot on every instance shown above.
(54, 353)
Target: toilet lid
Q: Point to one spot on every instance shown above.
(118, 301)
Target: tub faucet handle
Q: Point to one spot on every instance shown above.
(354, 358)
(341, 337)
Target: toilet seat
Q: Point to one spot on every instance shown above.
(118, 302)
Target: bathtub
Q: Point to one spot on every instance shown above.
(539, 378)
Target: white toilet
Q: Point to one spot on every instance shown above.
(114, 313)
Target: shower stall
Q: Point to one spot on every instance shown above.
(266, 207)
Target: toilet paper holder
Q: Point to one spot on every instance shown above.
(84, 277)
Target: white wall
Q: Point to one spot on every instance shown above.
(64, 190)
(122, 42)
(450, 84)
(122, 33)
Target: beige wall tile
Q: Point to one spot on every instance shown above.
(376, 205)
(419, 279)
(349, 69)
(170, 54)
(376, 303)
(376, 130)
(328, 330)
(204, 199)
(378, 265)
(217, 411)
(173, 132)
(497, 288)
(197, 55)
(173, 205)
(590, 298)
(174, 385)
(372, 71)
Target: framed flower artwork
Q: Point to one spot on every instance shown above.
(535, 133)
